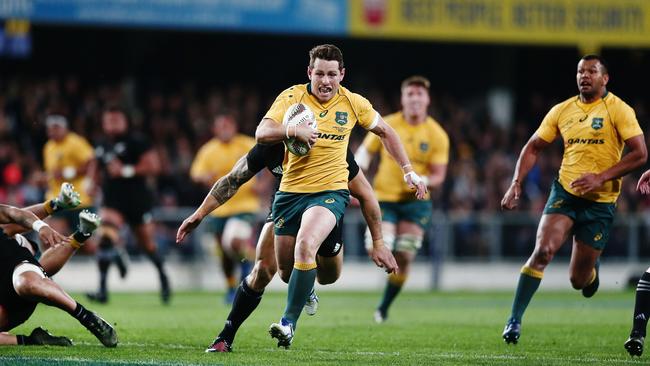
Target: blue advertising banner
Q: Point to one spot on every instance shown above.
(282, 16)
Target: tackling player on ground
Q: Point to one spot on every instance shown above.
(24, 280)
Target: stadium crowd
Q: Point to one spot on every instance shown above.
(178, 121)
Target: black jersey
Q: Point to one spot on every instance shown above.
(12, 254)
(128, 149)
(120, 191)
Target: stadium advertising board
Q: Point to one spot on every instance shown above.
(571, 22)
(283, 16)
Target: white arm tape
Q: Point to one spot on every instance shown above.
(362, 156)
(38, 225)
(414, 178)
(128, 171)
(374, 121)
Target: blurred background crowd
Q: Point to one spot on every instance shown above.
(489, 97)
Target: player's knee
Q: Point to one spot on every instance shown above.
(26, 286)
(306, 249)
(408, 243)
(579, 281)
(27, 278)
(285, 274)
(542, 256)
(262, 274)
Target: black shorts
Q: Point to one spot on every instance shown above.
(135, 207)
(333, 244)
(17, 308)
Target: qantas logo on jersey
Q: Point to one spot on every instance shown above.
(585, 141)
(331, 136)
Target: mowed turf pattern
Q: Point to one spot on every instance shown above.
(423, 328)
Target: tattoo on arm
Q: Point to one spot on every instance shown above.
(226, 187)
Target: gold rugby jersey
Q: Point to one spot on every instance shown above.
(324, 167)
(73, 151)
(218, 158)
(594, 136)
(426, 143)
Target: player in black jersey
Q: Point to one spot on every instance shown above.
(249, 293)
(126, 160)
(24, 281)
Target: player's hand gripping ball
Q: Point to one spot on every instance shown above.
(297, 114)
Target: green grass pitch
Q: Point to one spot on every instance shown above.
(424, 328)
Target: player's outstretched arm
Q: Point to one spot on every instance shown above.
(222, 190)
(394, 146)
(361, 189)
(526, 161)
(635, 157)
(26, 219)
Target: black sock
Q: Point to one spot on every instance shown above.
(157, 261)
(80, 313)
(104, 262)
(245, 302)
(81, 237)
(642, 304)
(24, 340)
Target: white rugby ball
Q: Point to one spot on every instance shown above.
(296, 114)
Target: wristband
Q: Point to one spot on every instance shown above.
(286, 132)
(415, 179)
(405, 166)
(128, 171)
(69, 172)
(38, 225)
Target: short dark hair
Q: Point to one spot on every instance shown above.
(601, 60)
(327, 52)
(417, 80)
(116, 108)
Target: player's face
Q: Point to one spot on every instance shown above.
(114, 123)
(225, 128)
(325, 79)
(590, 78)
(415, 100)
(56, 132)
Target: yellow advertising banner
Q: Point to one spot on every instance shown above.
(587, 23)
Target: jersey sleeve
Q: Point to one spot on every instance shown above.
(256, 158)
(280, 105)
(367, 115)
(548, 130)
(626, 123)
(440, 154)
(353, 167)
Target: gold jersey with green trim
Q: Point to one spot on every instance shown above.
(594, 136)
(72, 151)
(324, 167)
(426, 144)
(217, 159)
